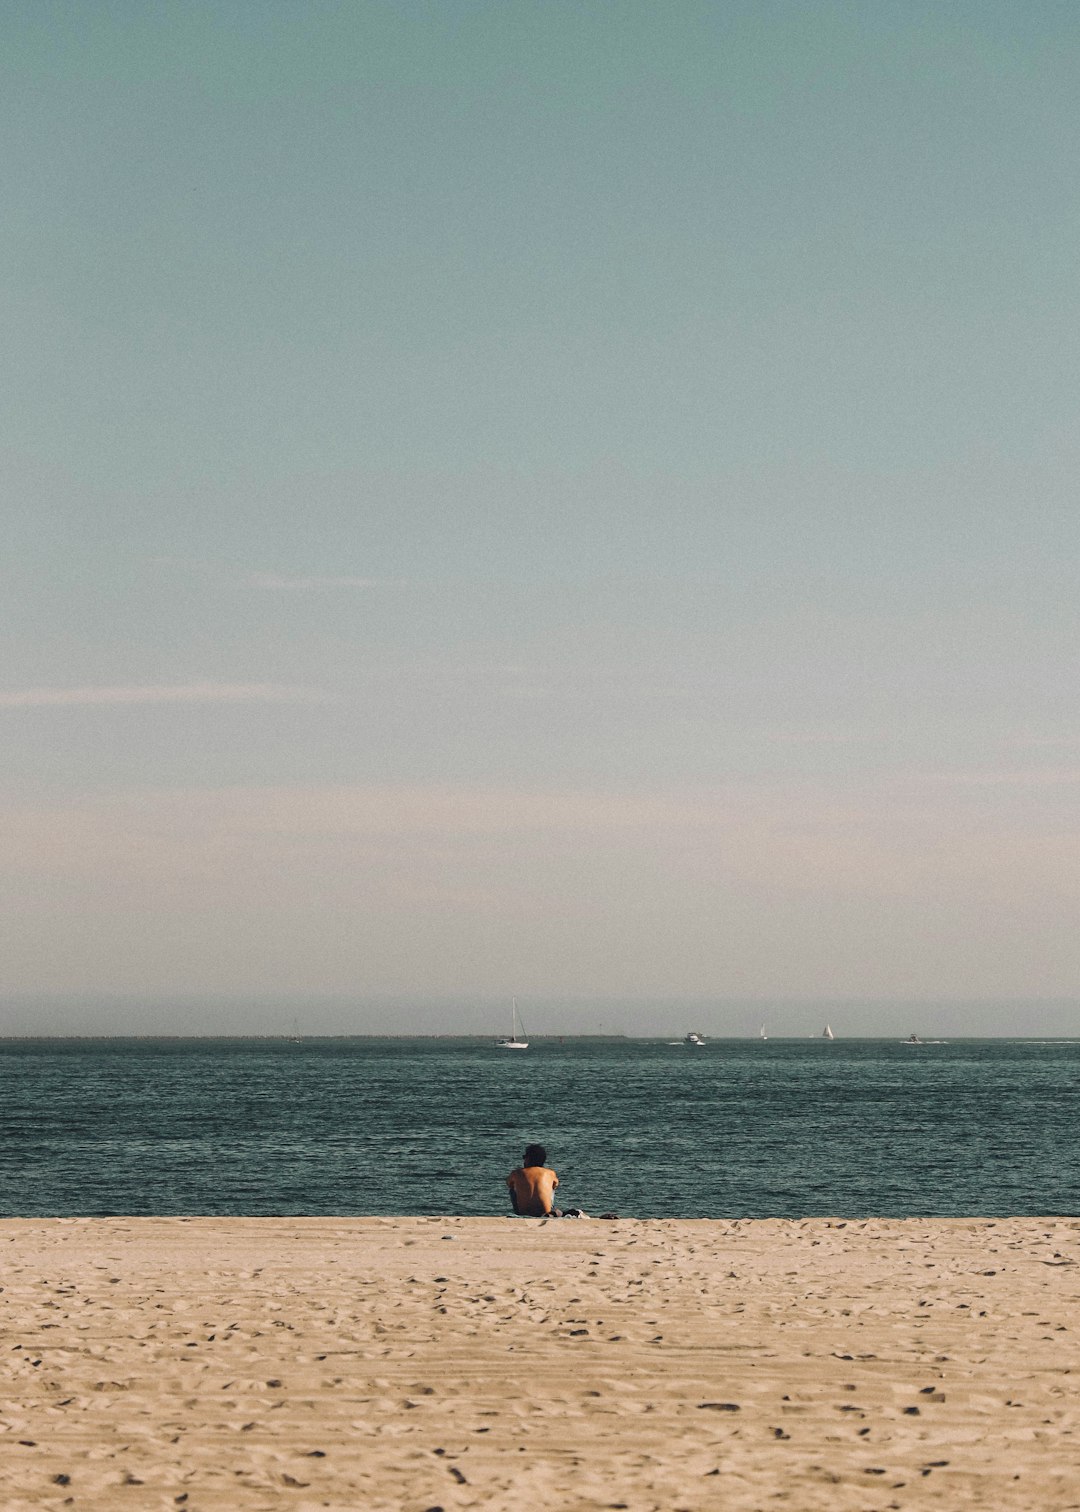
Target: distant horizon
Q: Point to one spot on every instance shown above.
(191, 1016)
(561, 1038)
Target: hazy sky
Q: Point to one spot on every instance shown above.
(566, 499)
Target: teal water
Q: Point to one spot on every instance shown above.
(785, 1128)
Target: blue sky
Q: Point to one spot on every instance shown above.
(565, 499)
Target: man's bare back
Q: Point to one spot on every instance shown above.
(532, 1185)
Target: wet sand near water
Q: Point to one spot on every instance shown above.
(207, 1364)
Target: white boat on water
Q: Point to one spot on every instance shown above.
(517, 1040)
(827, 1033)
(912, 1039)
(763, 1035)
(697, 1041)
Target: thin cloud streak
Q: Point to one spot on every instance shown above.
(41, 698)
(280, 583)
(1030, 777)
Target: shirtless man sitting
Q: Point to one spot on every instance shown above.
(532, 1186)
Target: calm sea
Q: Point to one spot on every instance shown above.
(362, 1126)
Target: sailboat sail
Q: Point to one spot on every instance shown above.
(517, 1040)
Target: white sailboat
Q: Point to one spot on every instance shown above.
(517, 1040)
(827, 1033)
(763, 1035)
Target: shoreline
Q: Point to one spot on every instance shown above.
(420, 1362)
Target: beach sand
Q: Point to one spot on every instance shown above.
(420, 1363)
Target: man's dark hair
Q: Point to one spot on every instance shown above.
(535, 1155)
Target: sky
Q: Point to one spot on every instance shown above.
(574, 500)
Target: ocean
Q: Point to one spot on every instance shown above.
(646, 1128)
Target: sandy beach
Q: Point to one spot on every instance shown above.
(420, 1363)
